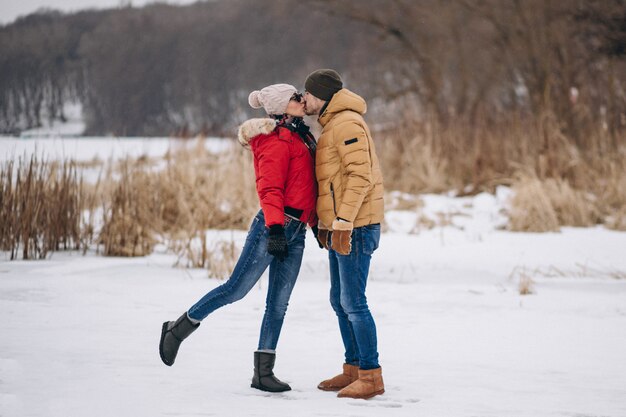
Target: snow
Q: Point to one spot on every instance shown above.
(87, 149)
(73, 126)
(80, 333)
(11, 10)
(62, 141)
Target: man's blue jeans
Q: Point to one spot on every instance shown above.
(253, 261)
(348, 279)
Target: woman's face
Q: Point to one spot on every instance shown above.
(295, 106)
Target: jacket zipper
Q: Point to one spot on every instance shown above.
(332, 194)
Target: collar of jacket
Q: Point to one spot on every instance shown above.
(323, 110)
(251, 128)
(343, 99)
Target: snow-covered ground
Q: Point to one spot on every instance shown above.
(80, 333)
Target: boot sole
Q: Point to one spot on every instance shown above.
(332, 389)
(267, 390)
(163, 331)
(366, 397)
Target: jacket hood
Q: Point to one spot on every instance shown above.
(343, 99)
(253, 128)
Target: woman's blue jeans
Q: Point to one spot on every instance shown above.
(348, 280)
(253, 261)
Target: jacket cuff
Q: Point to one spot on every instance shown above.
(276, 229)
(273, 215)
(341, 225)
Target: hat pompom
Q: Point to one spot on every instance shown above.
(254, 101)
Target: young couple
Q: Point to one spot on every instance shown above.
(334, 186)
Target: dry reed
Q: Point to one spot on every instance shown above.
(199, 191)
(561, 181)
(557, 181)
(128, 216)
(195, 191)
(40, 207)
(525, 283)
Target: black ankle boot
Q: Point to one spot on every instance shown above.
(172, 334)
(264, 378)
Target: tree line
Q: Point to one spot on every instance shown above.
(163, 70)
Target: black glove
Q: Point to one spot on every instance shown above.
(316, 232)
(277, 243)
(323, 238)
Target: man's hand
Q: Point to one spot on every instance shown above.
(342, 236)
(277, 243)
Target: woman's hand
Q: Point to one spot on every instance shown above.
(321, 237)
(277, 243)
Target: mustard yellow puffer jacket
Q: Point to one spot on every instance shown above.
(350, 183)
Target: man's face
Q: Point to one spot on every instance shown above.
(312, 104)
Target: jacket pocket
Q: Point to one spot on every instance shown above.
(332, 195)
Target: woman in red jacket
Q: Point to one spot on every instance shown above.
(284, 152)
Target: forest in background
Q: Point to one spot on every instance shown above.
(167, 70)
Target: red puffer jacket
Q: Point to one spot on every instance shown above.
(285, 171)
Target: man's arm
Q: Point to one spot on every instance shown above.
(353, 147)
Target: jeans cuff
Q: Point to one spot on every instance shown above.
(369, 367)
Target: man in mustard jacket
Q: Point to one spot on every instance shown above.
(350, 210)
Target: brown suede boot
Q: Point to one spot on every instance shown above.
(349, 375)
(369, 384)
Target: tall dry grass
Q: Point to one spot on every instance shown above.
(199, 191)
(138, 203)
(129, 214)
(134, 205)
(41, 206)
(176, 204)
(558, 180)
(545, 205)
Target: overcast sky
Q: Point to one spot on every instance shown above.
(12, 9)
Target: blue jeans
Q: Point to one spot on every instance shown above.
(348, 279)
(253, 261)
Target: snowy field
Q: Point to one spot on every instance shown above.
(80, 333)
(87, 149)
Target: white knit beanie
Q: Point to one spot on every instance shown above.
(273, 98)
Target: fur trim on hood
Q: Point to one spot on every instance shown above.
(254, 127)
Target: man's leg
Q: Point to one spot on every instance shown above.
(353, 272)
(351, 365)
(345, 327)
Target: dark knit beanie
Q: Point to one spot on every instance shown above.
(323, 83)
